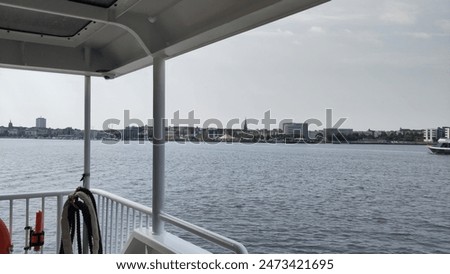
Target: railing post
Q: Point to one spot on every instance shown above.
(59, 209)
(44, 213)
(11, 217)
(27, 224)
(159, 137)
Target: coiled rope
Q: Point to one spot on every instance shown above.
(81, 200)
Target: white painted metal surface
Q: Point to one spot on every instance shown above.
(159, 131)
(87, 132)
(127, 35)
(119, 218)
(144, 241)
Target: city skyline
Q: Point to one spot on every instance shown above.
(380, 64)
(289, 133)
(237, 124)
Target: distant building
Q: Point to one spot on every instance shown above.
(430, 135)
(41, 123)
(440, 133)
(213, 133)
(131, 133)
(296, 130)
(31, 133)
(13, 132)
(348, 131)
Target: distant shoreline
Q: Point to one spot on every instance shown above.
(244, 142)
(391, 143)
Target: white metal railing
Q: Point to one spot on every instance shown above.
(118, 217)
(19, 216)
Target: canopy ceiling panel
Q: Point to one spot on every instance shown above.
(110, 38)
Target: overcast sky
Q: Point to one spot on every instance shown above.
(381, 64)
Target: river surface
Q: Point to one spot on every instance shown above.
(273, 198)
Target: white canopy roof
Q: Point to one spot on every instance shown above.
(113, 37)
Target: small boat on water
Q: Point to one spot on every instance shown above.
(442, 147)
(110, 140)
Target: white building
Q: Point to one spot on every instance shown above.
(41, 122)
(447, 132)
(429, 135)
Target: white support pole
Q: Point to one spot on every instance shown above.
(159, 132)
(87, 132)
(87, 138)
(87, 122)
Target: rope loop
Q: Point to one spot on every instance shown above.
(81, 201)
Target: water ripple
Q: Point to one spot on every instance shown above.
(272, 198)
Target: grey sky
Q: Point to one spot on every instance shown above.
(382, 64)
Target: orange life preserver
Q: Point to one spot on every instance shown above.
(37, 235)
(5, 239)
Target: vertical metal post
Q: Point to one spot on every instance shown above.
(159, 132)
(87, 138)
(27, 226)
(87, 132)
(59, 209)
(43, 221)
(11, 216)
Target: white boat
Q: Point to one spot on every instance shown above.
(111, 38)
(442, 147)
(111, 140)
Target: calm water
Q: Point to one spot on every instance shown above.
(272, 198)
